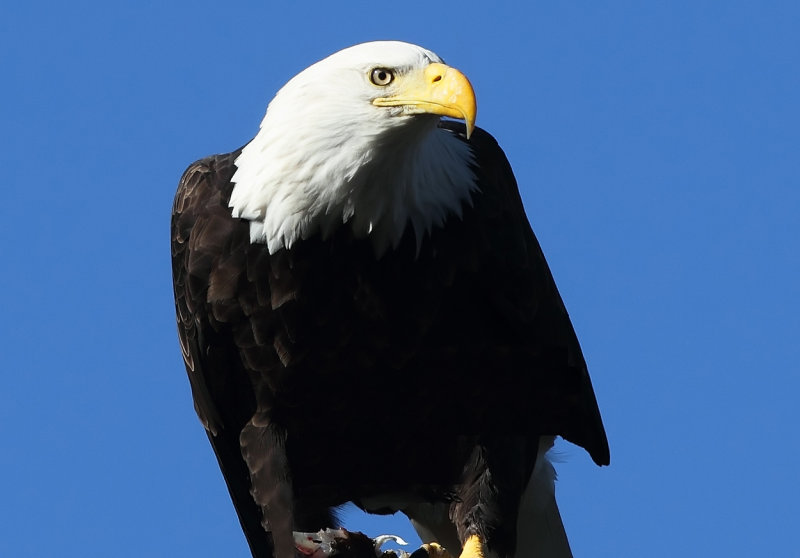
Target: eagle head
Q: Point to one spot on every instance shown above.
(353, 140)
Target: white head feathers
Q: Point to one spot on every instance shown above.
(325, 155)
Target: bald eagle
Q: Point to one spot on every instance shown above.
(366, 316)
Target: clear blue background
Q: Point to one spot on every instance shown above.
(657, 146)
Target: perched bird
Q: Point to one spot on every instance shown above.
(365, 315)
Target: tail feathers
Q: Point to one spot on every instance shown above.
(540, 531)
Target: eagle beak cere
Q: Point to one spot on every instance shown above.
(439, 89)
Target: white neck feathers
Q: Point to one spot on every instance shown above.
(294, 185)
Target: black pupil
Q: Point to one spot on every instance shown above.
(382, 76)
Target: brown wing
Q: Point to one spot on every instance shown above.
(520, 372)
(551, 373)
(206, 248)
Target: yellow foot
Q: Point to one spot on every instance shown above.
(473, 548)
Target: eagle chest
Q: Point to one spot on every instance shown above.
(328, 317)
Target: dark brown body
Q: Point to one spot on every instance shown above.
(325, 374)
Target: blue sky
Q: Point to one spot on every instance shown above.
(657, 146)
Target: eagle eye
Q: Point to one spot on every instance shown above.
(381, 76)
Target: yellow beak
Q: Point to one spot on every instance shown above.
(439, 89)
